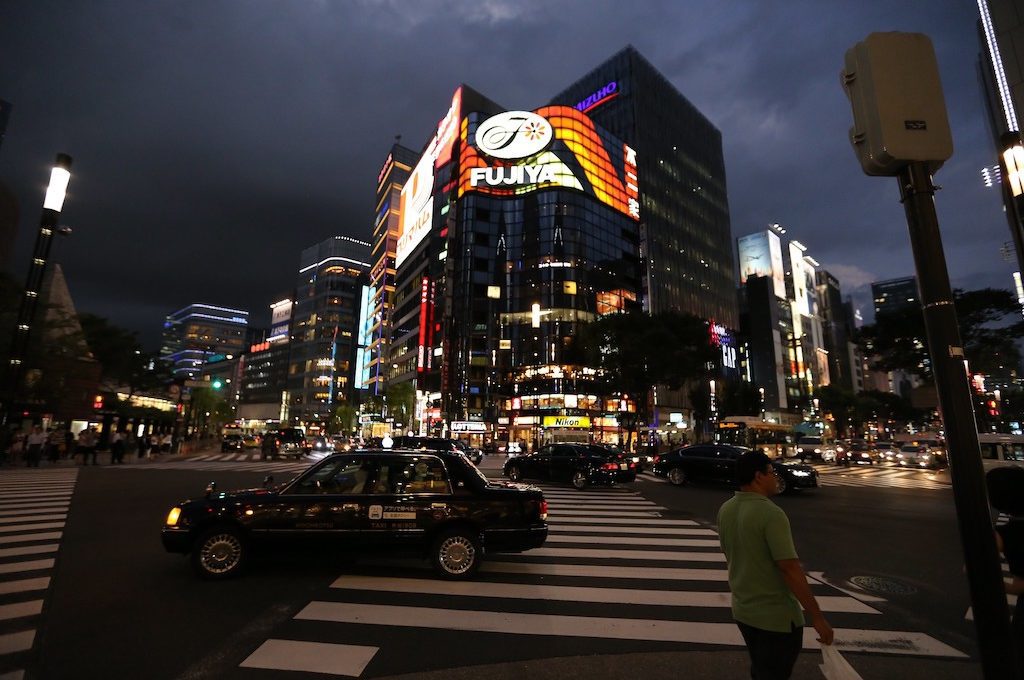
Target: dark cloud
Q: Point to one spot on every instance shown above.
(213, 140)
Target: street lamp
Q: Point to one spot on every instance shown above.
(53, 204)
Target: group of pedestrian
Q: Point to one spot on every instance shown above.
(34, 445)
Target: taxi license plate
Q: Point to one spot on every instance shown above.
(623, 466)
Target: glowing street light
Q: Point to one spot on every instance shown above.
(53, 204)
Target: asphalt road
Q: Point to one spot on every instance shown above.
(118, 606)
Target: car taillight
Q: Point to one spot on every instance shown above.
(543, 509)
(657, 458)
(632, 465)
(610, 466)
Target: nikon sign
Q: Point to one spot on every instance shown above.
(567, 421)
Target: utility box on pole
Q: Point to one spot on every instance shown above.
(899, 113)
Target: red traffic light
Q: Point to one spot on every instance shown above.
(97, 401)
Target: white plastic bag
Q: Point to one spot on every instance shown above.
(835, 667)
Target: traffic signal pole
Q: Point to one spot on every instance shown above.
(981, 557)
(901, 129)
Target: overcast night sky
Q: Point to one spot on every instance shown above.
(214, 139)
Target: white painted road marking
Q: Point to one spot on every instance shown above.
(311, 657)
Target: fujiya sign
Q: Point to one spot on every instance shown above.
(516, 174)
(513, 134)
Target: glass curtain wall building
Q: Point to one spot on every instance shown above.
(686, 241)
(324, 328)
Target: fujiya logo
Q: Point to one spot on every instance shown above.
(513, 134)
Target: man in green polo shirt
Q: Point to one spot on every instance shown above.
(767, 582)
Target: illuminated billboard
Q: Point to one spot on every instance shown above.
(417, 200)
(517, 152)
(760, 254)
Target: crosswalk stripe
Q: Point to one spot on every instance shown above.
(609, 506)
(25, 585)
(20, 610)
(31, 527)
(617, 554)
(31, 518)
(29, 538)
(599, 571)
(616, 520)
(31, 510)
(29, 495)
(29, 550)
(614, 531)
(602, 513)
(632, 540)
(17, 642)
(33, 565)
(601, 627)
(623, 596)
(311, 657)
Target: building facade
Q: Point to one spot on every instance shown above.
(325, 313)
(199, 332)
(386, 229)
(845, 361)
(263, 396)
(781, 319)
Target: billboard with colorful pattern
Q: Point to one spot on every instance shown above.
(578, 156)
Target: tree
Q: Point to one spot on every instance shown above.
(635, 351)
(989, 326)
(401, 399)
(342, 420)
(837, 402)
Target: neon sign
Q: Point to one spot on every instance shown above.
(601, 96)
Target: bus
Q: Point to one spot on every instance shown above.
(998, 450)
(776, 440)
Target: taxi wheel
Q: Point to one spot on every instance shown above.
(514, 474)
(456, 554)
(677, 476)
(783, 484)
(579, 480)
(219, 553)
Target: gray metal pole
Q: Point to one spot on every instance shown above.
(984, 575)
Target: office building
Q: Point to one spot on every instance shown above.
(200, 332)
(896, 296)
(263, 396)
(325, 313)
(845, 361)
(386, 229)
(780, 319)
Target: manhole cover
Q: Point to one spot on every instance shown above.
(877, 584)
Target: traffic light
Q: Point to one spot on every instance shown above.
(217, 383)
(97, 402)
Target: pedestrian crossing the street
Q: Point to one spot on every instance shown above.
(33, 508)
(617, 571)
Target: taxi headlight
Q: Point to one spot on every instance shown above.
(801, 473)
(172, 517)
(817, 450)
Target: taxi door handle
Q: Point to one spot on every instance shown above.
(350, 506)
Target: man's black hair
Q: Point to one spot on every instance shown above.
(749, 464)
(1006, 489)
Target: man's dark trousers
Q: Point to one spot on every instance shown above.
(772, 654)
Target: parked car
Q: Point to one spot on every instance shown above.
(251, 441)
(581, 465)
(364, 501)
(231, 442)
(717, 463)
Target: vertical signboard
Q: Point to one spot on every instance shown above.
(422, 348)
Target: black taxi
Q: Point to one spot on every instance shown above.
(437, 503)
